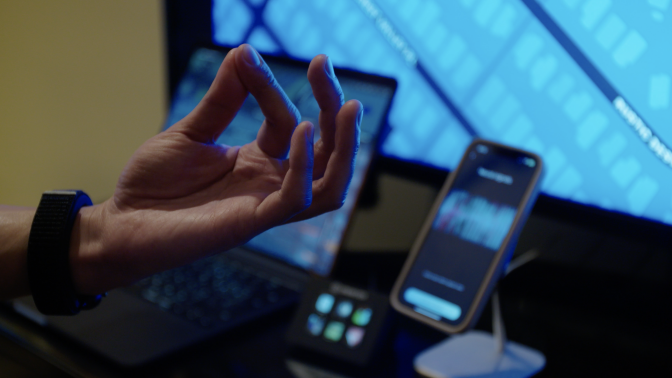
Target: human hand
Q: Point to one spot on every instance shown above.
(182, 196)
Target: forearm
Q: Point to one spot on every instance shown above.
(15, 225)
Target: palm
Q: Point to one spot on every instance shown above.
(176, 173)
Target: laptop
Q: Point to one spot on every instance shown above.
(171, 310)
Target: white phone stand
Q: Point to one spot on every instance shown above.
(480, 354)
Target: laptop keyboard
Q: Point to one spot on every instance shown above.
(215, 292)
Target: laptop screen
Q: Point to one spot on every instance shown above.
(311, 244)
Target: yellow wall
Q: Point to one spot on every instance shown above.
(81, 87)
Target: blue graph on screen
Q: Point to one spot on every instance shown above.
(584, 83)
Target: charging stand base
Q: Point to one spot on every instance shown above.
(476, 354)
(481, 354)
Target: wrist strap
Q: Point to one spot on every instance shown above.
(49, 254)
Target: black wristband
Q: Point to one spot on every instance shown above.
(48, 266)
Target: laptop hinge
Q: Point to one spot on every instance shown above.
(292, 277)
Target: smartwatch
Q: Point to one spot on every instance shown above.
(49, 273)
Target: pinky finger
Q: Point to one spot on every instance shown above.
(330, 191)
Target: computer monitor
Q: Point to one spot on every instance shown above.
(584, 83)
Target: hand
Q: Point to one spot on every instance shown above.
(182, 196)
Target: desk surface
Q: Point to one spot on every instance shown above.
(585, 321)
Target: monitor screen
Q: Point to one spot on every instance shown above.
(584, 83)
(311, 244)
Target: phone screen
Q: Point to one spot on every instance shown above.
(468, 232)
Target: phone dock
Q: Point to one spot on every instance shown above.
(481, 354)
(475, 354)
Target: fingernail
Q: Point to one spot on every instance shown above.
(251, 56)
(329, 68)
(361, 115)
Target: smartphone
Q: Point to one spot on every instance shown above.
(468, 237)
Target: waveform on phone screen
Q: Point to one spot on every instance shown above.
(474, 219)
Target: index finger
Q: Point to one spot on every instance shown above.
(275, 134)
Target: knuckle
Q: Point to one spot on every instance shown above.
(336, 201)
(300, 201)
(331, 199)
(307, 201)
(267, 78)
(339, 93)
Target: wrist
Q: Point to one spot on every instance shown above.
(103, 249)
(86, 250)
